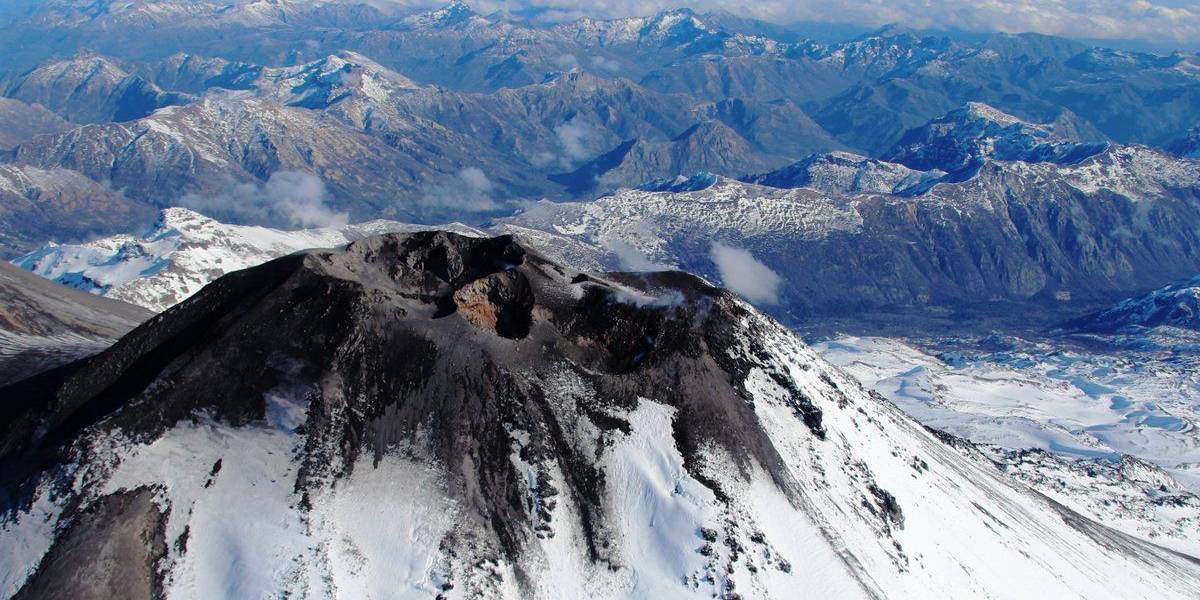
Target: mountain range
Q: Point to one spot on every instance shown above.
(398, 112)
(1006, 213)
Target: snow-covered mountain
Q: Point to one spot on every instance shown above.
(1099, 228)
(846, 173)
(181, 253)
(865, 92)
(88, 88)
(432, 414)
(965, 137)
(1111, 433)
(208, 147)
(1172, 306)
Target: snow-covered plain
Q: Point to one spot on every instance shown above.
(1110, 432)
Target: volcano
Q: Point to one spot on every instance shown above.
(432, 415)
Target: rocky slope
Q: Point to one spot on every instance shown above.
(88, 88)
(210, 147)
(20, 121)
(563, 122)
(40, 205)
(44, 325)
(429, 413)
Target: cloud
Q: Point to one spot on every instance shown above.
(744, 274)
(468, 190)
(286, 199)
(607, 64)
(630, 257)
(566, 62)
(576, 138)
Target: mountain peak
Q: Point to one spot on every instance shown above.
(974, 132)
(979, 110)
(676, 27)
(332, 79)
(454, 14)
(699, 181)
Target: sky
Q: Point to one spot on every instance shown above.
(1156, 23)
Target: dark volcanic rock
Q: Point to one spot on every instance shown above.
(110, 551)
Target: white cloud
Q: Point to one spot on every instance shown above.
(576, 137)
(630, 257)
(468, 190)
(566, 62)
(745, 275)
(287, 198)
(607, 64)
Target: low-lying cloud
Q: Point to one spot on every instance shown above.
(286, 199)
(745, 275)
(576, 138)
(468, 190)
(630, 258)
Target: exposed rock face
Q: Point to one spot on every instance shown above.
(502, 302)
(40, 205)
(111, 551)
(439, 414)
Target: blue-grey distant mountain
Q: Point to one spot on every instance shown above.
(20, 121)
(1187, 145)
(88, 88)
(864, 92)
(385, 145)
(850, 236)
